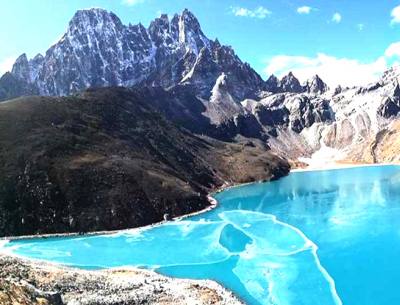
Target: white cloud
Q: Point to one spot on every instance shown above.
(361, 26)
(132, 2)
(6, 64)
(395, 14)
(334, 71)
(337, 18)
(304, 10)
(393, 50)
(260, 12)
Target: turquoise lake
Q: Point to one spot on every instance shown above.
(322, 237)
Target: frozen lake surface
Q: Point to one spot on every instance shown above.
(323, 237)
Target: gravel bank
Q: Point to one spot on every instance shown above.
(26, 282)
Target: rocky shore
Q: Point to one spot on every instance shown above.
(27, 282)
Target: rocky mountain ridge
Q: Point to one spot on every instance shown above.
(204, 86)
(97, 50)
(349, 125)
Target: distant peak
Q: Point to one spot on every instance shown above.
(316, 85)
(186, 12)
(22, 58)
(38, 57)
(289, 83)
(96, 10)
(94, 16)
(20, 68)
(272, 77)
(272, 84)
(289, 76)
(91, 12)
(189, 18)
(164, 17)
(272, 81)
(140, 26)
(315, 79)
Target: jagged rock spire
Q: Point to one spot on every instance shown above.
(93, 18)
(20, 68)
(272, 84)
(316, 85)
(289, 83)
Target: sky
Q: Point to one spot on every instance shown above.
(348, 42)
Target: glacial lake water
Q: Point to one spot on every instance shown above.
(323, 237)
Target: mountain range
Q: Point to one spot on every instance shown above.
(208, 88)
(201, 97)
(97, 50)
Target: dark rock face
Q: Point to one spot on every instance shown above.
(98, 51)
(249, 127)
(374, 87)
(294, 111)
(108, 160)
(273, 116)
(396, 91)
(307, 113)
(272, 84)
(389, 108)
(337, 90)
(290, 83)
(316, 86)
(21, 69)
(11, 87)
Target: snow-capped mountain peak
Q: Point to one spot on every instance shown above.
(98, 50)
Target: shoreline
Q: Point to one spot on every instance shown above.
(39, 283)
(224, 295)
(229, 297)
(341, 165)
(38, 265)
(212, 201)
(213, 204)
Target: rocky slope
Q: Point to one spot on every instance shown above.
(28, 283)
(106, 160)
(352, 124)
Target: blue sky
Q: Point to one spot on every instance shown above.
(274, 36)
